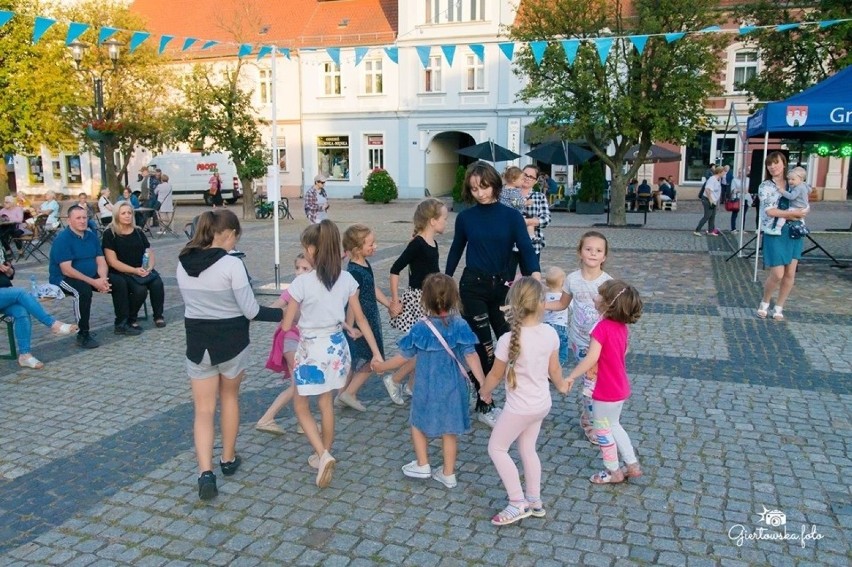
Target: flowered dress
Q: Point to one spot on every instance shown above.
(358, 348)
(440, 401)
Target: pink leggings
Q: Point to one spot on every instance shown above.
(524, 428)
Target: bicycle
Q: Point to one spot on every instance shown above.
(263, 208)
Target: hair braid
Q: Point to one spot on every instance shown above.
(514, 349)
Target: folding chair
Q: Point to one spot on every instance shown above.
(165, 221)
(32, 243)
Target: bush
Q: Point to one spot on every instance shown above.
(380, 187)
(592, 183)
(457, 188)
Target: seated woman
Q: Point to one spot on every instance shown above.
(11, 213)
(124, 246)
(105, 207)
(51, 208)
(20, 305)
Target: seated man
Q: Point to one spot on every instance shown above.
(643, 195)
(630, 198)
(77, 265)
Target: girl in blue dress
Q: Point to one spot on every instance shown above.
(439, 403)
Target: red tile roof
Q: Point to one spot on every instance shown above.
(289, 23)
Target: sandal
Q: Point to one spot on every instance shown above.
(631, 471)
(63, 328)
(762, 310)
(160, 323)
(536, 508)
(778, 315)
(607, 477)
(511, 514)
(590, 435)
(29, 361)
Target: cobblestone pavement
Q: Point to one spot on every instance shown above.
(731, 416)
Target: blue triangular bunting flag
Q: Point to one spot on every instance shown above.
(508, 49)
(449, 53)
(538, 48)
(209, 44)
(570, 47)
(285, 51)
(674, 36)
(334, 53)
(709, 29)
(245, 49)
(75, 30)
(747, 29)
(826, 23)
(41, 26)
(639, 42)
(106, 33)
(785, 27)
(423, 52)
(164, 41)
(188, 42)
(263, 51)
(360, 53)
(5, 16)
(393, 54)
(478, 50)
(603, 44)
(137, 39)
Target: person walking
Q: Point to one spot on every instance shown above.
(710, 194)
(316, 200)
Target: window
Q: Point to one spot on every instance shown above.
(36, 170)
(56, 167)
(432, 75)
(698, 156)
(265, 86)
(433, 11)
(474, 74)
(375, 152)
(73, 170)
(745, 68)
(331, 78)
(477, 10)
(333, 157)
(281, 159)
(373, 76)
(454, 10)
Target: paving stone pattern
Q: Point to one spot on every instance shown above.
(730, 416)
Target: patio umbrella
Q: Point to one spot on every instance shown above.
(561, 153)
(656, 154)
(489, 151)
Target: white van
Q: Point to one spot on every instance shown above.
(189, 175)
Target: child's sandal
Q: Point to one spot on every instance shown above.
(778, 315)
(511, 514)
(763, 310)
(631, 471)
(590, 435)
(607, 477)
(536, 508)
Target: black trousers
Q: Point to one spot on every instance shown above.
(81, 294)
(482, 296)
(128, 296)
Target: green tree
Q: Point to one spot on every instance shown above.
(216, 115)
(793, 60)
(653, 97)
(34, 86)
(134, 87)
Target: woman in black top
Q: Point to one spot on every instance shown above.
(124, 247)
(488, 232)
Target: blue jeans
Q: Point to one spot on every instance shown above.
(562, 333)
(18, 303)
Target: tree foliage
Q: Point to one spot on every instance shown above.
(656, 96)
(793, 60)
(216, 115)
(380, 187)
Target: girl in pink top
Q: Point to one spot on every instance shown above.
(619, 305)
(282, 357)
(526, 356)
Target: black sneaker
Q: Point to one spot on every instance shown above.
(127, 330)
(86, 340)
(231, 467)
(207, 486)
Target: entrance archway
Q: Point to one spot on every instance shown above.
(442, 161)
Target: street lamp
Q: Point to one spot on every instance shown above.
(78, 48)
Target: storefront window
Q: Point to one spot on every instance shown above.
(698, 156)
(55, 167)
(75, 172)
(375, 152)
(333, 157)
(36, 170)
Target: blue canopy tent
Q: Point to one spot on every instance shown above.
(822, 113)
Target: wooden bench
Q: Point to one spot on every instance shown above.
(643, 211)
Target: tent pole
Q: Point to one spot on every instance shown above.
(759, 225)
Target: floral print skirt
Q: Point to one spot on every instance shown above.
(322, 361)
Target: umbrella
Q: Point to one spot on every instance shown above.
(561, 153)
(489, 151)
(656, 154)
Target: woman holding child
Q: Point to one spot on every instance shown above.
(781, 253)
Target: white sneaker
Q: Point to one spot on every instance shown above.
(414, 470)
(394, 390)
(490, 418)
(351, 401)
(406, 390)
(447, 480)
